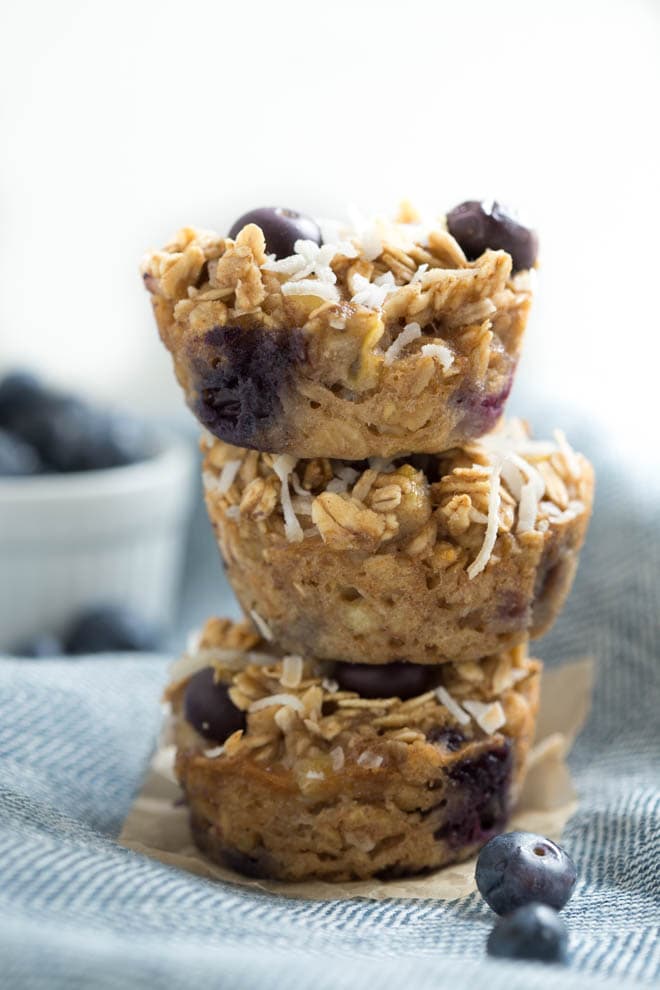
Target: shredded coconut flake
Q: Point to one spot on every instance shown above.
(317, 260)
(419, 274)
(315, 775)
(489, 716)
(527, 509)
(372, 243)
(368, 234)
(512, 477)
(285, 266)
(513, 439)
(311, 287)
(279, 700)
(193, 640)
(284, 719)
(372, 294)
(297, 487)
(337, 758)
(369, 760)
(292, 671)
(572, 464)
(452, 706)
(302, 506)
(337, 485)
(331, 230)
(440, 353)
(494, 499)
(310, 258)
(190, 663)
(382, 464)
(210, 481)
(186, 666)
(214, 752)
(261, 625)
(527, 486)
(229, 471)
(409, 333)
(348, 474)
(329, 685)
(283, 465)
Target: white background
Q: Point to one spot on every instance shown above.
(122, 121)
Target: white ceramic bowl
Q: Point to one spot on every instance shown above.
(73, 540)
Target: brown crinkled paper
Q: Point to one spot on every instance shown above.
(158, 827)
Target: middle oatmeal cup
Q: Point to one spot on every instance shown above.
(427, 558)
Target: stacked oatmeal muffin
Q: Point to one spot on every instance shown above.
(394, 544)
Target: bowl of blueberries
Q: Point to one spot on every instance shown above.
(94, 508)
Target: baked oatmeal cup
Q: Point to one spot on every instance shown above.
(427, 558)
(383, 338)
(290, 773)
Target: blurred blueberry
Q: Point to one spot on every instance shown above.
(109, 629)
(72, 436)
(533, 931)
(18, 391)
(41, 645)
(120, 440)
(520, 867)
(17, 458)
(67, 433)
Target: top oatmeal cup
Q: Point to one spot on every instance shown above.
(323, 340)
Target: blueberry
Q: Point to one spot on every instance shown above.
(451, 739)
(481, 224)
(115, 440)
(481, 412)
(16, 457)
(239, 377)
(208, 707)
(42, 645)
(258, 863)
(18, 391)
(386, 680)
(71, 436)
(533, 931)
(56, 427)
(480, 799)
(109, 629)
(281, 228)
(519, 867)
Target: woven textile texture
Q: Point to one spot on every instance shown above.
(77, 911)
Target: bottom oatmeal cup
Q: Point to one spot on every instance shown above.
(290, 774)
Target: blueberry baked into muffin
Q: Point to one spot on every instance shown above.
(428, 558)
(329, 340)
(295, 768)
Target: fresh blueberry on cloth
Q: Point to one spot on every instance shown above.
(519, 867)
(533, 931)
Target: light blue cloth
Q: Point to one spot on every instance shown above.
(77, 911)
